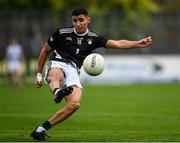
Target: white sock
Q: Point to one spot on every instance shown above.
(40, 129)
(57, 90)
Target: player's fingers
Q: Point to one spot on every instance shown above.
(38, 84)
(148, 43)
(149, 39)
(144, 40)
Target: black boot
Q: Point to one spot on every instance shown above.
(40, 136)
(63, 92)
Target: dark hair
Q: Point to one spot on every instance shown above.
(79, 11)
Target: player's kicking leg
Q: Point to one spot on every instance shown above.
(73, 103)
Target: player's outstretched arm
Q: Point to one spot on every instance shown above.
(126, 44)
(46, 49)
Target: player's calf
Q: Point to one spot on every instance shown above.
(74, 105)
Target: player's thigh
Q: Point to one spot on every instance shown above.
(20, 71)
(55, 74)
(75, 96)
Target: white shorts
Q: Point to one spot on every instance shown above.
(13, 66)
(71, 73)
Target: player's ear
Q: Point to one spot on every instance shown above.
(72, 19)
(89, 19)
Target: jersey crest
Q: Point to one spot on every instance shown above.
(89, 41)
(79, 40)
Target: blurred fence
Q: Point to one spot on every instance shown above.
(34, 27)
(137, 69)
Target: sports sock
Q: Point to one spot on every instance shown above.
(47, 125)
(40, 129)
(44, 127)
(56, 90)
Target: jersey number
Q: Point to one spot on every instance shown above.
(77, 51)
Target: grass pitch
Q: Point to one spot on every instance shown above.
(140, 112)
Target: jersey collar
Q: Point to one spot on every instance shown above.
(83, 34)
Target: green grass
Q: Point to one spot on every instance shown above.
(140, 112)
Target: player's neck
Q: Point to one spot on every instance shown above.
(81, 34)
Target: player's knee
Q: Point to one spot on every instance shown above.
(54, 78)
(74, 105)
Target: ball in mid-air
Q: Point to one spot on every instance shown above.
(93, 64)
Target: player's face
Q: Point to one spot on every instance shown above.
(80, 23)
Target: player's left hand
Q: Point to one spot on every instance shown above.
(38, 81)
(145, 42)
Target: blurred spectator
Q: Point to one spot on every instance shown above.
(15, 62)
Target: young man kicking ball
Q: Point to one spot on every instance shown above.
(70, 46)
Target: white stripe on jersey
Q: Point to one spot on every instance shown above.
(92, 34)
(66, 30)
(57, 55)
(70, 30)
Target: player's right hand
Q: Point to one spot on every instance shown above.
(38, 81)
(145, 42)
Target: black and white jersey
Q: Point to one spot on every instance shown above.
(70, 46)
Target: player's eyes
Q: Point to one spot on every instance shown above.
(81, 19)
(74, 20)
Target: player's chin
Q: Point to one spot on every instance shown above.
(80, 30)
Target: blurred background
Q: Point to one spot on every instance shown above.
(145, 111)
(31, 22)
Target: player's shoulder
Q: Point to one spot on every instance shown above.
(92, 33)
(65, 30)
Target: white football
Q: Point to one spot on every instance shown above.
(93, 64)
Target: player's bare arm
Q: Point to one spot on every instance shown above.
(126, 44)
(41, 62)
